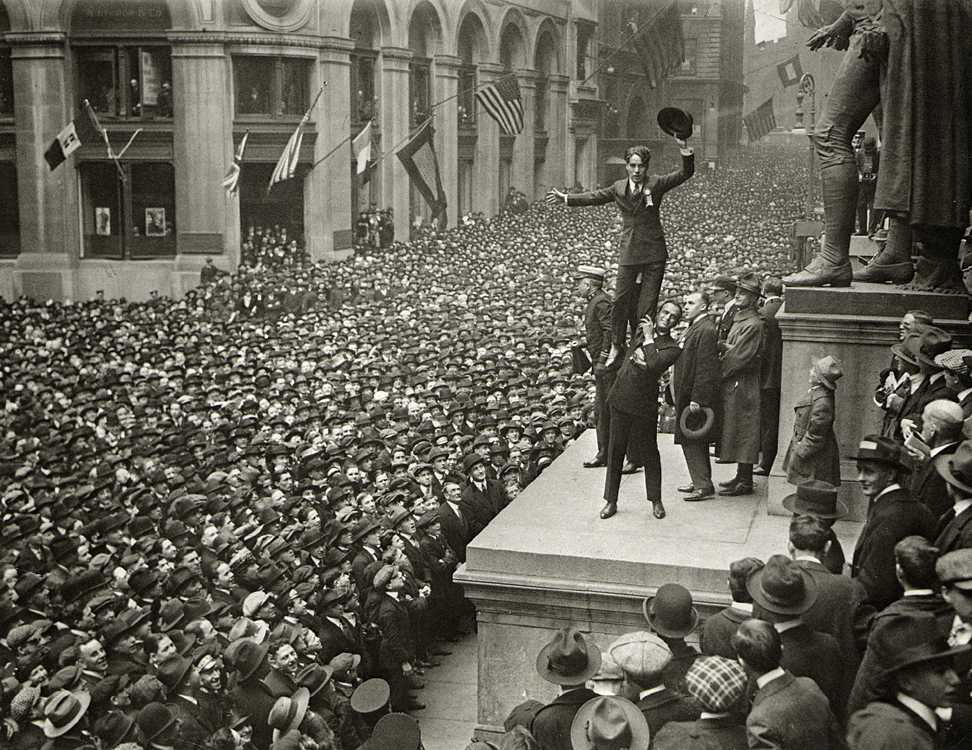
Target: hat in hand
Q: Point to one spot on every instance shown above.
(676, 122)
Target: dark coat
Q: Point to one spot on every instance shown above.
(253, 699)
(482, 507)
(397, 644)
(336, 640)
(813, 451)
(889, 726)
(932, 388)
(642, 238)
(791, 713)
(771, 375)
(551, 724)
(723, 733)
(928, 487)
(696, 374)
(718, 630)
(810, 653)
(192, 730)
(741, 363)
(889, 520)
(683, 657)
(665, 706)
(455, 530)
(869, 684)
(725, 318)
(954, 532)
(598, 326)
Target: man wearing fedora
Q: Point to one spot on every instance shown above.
(819, 499)
(695, 386)
(782, 593)
(64, 712)
(643, 252)
(941, 433)
(741, 358)
(609, 723)
(568, 660)
(892, 514)
(919, 679)
(813, 453)
(922, 346)
(955, 525)
(787, 712)
(643, 658)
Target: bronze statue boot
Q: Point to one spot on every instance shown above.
(831, 265)
(893, 264)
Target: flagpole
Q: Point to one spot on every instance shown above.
(303, 121)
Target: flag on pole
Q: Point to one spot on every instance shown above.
(790, 71)
(287, 163)
(502, 102)
(231, 182)
(84, 128)
(420, 162)
(761, 121)
(659, 45)
(361, 148)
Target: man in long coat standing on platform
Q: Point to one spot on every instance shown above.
(741, 362)
(597, 338)
(771, 376)
(695, 383)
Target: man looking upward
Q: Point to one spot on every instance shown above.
(643, 252)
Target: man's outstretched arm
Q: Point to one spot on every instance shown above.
(594, 198)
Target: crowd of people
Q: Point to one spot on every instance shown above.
(231, 520)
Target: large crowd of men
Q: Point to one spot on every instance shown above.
(232, 520)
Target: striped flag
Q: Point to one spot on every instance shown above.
(761, 121)
(502, 102)
(287, 163)
(231, 182)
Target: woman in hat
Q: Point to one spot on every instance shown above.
(812, 453)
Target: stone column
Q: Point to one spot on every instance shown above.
(207, 219)
(486, 168)
(558, 154)
(446, 72)
(327, 188)
(395, 126)
(48, 201)
(523, 167)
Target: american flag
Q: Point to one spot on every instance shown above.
(502, 102)
(287, 163)
(232, 179)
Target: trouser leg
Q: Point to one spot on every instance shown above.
(769, 415)
(653, 469)
(617, 445)
(699, 467)
(625, 303)
(602, 412)
(744, 473)
(651, 281)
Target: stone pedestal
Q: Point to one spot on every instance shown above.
(857, 325)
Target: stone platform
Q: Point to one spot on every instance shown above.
(548, 560)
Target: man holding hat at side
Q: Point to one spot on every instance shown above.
(813, 453)
(568, 660)
(598, 337)
(892, 514)
(920, 675)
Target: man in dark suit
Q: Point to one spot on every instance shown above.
(782, 592)
(957, 366)
(923, 345)
(641, 263)
(941, 431)
(634, 408)
(367, 537)
(598, 334)
(722, 303)
(482, 497)
(568, 661)
(452, 518)
(771, 375)
(695, 383)
(955, 526)
(718, 630)
(892, 515)
(787, 712)
(397, 649)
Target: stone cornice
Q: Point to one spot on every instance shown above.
(34, 38)
(397, 53)
(304, 41)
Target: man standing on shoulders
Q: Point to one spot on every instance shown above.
(695, 384)
(742, 355)
(598, 332)
(644, 253)
(771, 376)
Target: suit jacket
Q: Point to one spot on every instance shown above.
(336, 640)
(598, 326)
(889, 726)
(772, 372)
(455, 530)
(635, 389)
(790, 713)
(359, 564)
(813, 452)
(696, 374)
(665, 706)
(397, 644)
(642, 238)
(932, 387)
(809, 653)
(253, 699)
(482, 507)
(718, 630)
(954, 532)
(192, 731)
(723, 733)
(928, 487)
(889, 520)
(725, 320)
(683, 657)
(551, 724)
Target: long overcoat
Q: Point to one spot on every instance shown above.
(696, 374)
(813, 452)
(741, 363)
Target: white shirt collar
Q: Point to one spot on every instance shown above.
(940, 449)
(808, 558)
(650, 691)
(188, 698)
(918, 592)
(393, 594)
(632, 187)
(782, 627)
(962, 505)
(765, 300)
(764, 679)
(711, 715)
(886, 490)
(926, 714)
(937, 376)
(742, 606)
(454, 506)
(963, 394)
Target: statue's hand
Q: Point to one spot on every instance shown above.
(874, 45)
(829, 36)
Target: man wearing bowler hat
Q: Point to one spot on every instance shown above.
(892, 514)
(643, 252)
(955, 526)
(695, 386)
(672, 615)
(568, 660)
